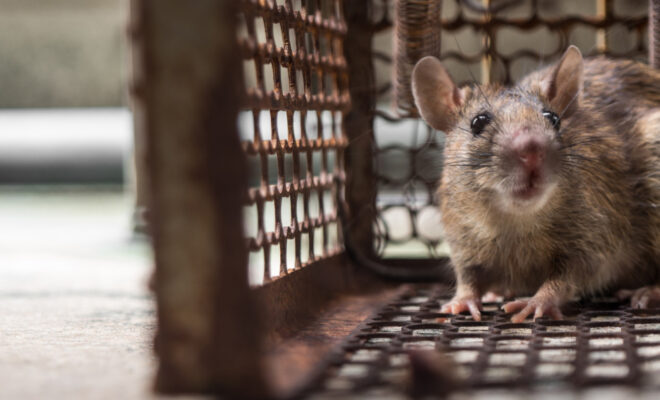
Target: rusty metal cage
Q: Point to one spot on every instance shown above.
(289, 178)
(299, 145)
(602, 343)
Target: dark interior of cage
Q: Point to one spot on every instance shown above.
(347, 260)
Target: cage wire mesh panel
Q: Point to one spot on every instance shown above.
(292, 131)
(489, 41)
(602, 342)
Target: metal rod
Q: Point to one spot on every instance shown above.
(654, 33)
(208, 339)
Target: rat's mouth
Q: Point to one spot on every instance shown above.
(529, 187)
(528, 193)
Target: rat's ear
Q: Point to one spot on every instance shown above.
(564, 86)
(436, 96)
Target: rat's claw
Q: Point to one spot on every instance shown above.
(642, 297)
(539, 307)
(458, 305)
(514, 306)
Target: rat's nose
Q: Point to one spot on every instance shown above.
(530, 150)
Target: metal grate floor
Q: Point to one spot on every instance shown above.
(600, 343)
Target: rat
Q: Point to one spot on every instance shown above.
(550, 188)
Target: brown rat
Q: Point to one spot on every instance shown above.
(550, 188)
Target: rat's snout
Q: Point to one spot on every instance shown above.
(527, 164)
(529, 149)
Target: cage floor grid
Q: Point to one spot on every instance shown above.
(600, 343)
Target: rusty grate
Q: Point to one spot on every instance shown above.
(500, 44)
(292, 131)
(602, 342)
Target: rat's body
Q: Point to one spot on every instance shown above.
(550, 188)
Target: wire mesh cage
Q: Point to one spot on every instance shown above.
(603, 344)
(297, 94)
(294, 143)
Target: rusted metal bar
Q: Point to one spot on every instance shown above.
(140, 156)
(208, 338)
(603, 10)
(301, 329)
(360, 185)
(654, 33)
(416, 34)
(488, 45)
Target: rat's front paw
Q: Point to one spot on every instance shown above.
(538, 305)
(642, 297)
(458, 304)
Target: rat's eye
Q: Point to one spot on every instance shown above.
(479, 123)
(553, 118)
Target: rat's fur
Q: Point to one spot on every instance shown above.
(598, 226)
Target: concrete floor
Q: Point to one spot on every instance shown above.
(76, 319)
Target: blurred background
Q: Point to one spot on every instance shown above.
(63, 98)
(62, 53)
(77, 319)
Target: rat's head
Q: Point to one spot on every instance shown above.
(504, 141)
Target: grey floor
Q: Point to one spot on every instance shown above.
(76, 319)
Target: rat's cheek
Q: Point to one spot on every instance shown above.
(552, 163)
